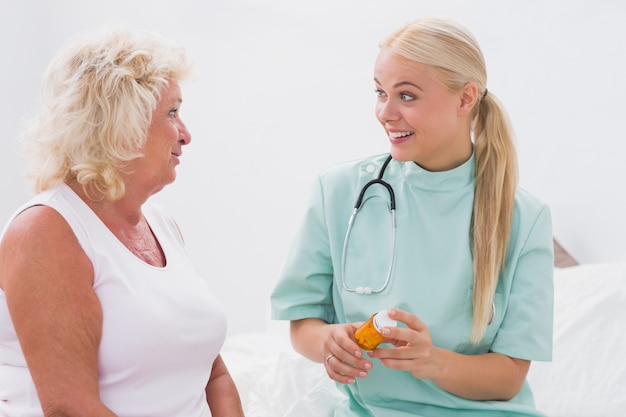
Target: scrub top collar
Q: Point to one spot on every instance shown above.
(450, 180)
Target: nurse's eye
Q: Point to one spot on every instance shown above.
(407, 97)
(380, 93)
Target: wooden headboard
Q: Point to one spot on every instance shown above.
(562, 259)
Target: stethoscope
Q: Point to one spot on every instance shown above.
(357, 207)
(392, 209)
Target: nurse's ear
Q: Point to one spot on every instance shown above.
(468, 97)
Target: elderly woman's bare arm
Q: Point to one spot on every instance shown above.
(221, 392)
(47, 280)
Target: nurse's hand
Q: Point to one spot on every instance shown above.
(413, 351)
(344, 358)
(486, 376)
(341, 356)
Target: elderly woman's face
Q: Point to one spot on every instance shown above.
(166, 137)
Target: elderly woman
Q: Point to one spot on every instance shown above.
(101, 312)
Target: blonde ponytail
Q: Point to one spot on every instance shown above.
(496, 182)
(456, 59)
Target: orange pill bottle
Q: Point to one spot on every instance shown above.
(369, 335)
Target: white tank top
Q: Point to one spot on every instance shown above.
(162, 328)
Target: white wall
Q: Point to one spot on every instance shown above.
(284, 89)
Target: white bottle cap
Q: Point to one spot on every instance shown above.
(382, 319)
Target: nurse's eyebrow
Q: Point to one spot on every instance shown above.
(402, 83)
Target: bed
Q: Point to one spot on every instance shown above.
(587, 377)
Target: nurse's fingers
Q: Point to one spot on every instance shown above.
(410, 319)
(414, 344)
(342, 372)
(414, 335)
(340, 342)
(343, 358)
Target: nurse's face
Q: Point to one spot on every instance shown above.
(425, 121)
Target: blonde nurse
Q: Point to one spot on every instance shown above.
(444, 239)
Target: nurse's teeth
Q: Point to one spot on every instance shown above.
(399, 134)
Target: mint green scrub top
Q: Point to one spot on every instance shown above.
(432, 278)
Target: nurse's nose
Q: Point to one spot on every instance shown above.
(386, 111)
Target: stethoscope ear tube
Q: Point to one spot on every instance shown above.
(379, 180)
(392, 196)
(357, 207)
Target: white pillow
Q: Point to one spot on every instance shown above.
(587, 377)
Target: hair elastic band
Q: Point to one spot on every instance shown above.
(484, 95)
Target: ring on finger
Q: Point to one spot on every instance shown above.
(328, 358)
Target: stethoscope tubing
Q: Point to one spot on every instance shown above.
(357, 207)
(392, 208)
(379, 180)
